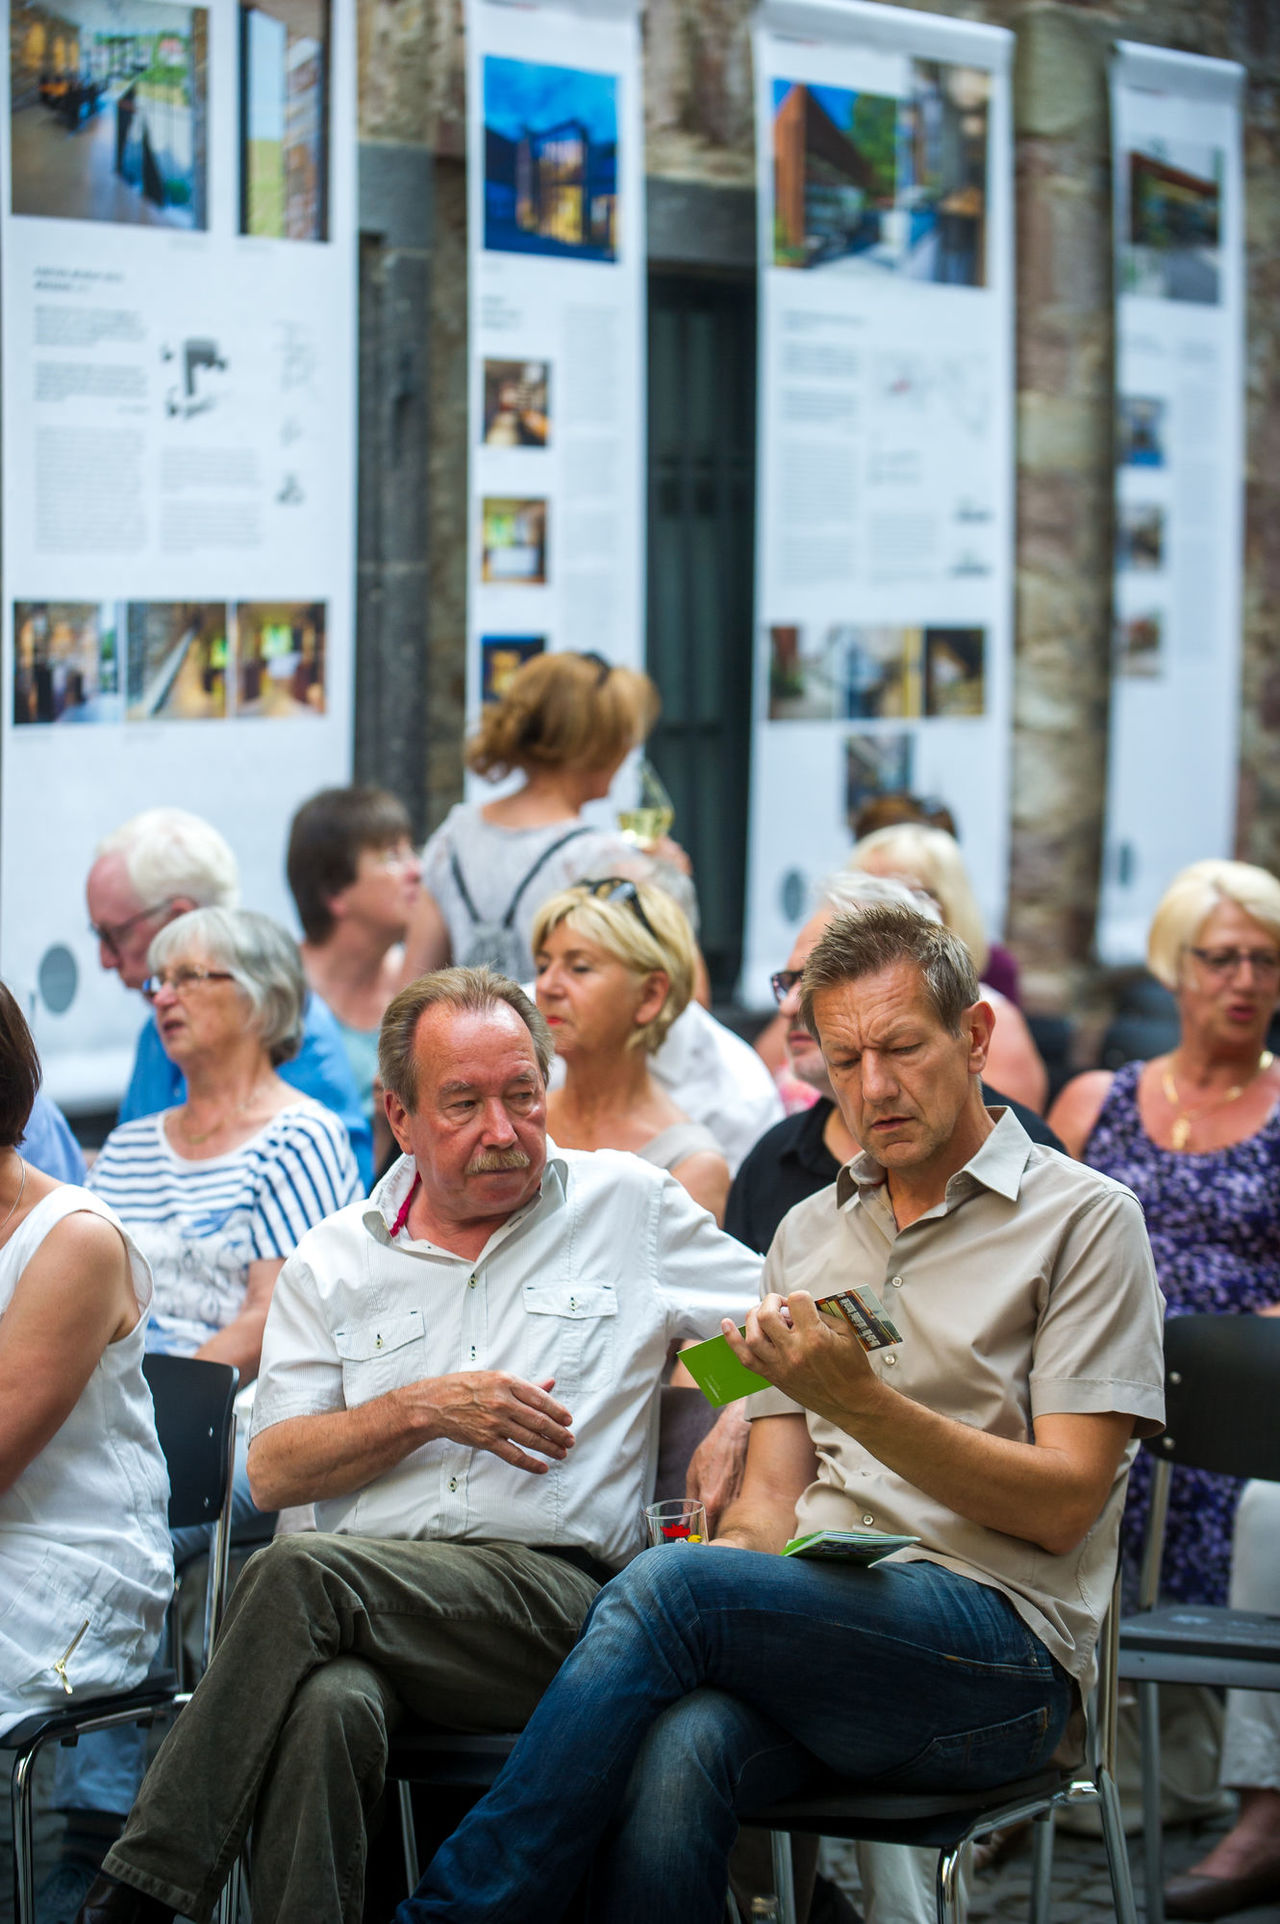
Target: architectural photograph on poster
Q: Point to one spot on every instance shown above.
(517, 406)
(501, 658)
(1142, 432)
(284, 119)
(876, 765)
(1173, 243)
(280, 659)
(66, 661)
(955, 672)
(550, 160)
(109, 110)
(869, 182)
(1140, 536)
(176, 660)
(514, 536)
(1139, 645)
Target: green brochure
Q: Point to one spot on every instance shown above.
(718, 1373)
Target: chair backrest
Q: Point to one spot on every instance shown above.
(195, 1420)
(1222, 1385)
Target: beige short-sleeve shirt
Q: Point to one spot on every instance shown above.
(1028, 1291)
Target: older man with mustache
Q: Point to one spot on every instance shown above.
(461, 1373)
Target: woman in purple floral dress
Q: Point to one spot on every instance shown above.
(1196, 1135)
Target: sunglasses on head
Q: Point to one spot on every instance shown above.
(620, 888)
(602, 667)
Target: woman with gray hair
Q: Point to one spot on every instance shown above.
(219, 1190)
(216, 1193)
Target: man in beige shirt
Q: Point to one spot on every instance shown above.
(997, 1431)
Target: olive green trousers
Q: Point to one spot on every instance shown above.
(327, 1643)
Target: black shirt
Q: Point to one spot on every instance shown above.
(791, 1161)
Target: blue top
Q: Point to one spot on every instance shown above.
(49, 1144)
(1214, 1224)
(320, 1069)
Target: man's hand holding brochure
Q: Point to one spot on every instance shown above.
(721, 1374)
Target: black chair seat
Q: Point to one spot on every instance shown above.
(939, 1818)
(46, 1726)
(1200, 1643)
(1197, 1629)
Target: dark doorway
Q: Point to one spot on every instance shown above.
(702, 466)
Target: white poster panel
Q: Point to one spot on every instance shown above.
(177, 213)
(557, 304)
(1179, 276)
(884, 527)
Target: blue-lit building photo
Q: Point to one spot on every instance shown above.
(551, 160)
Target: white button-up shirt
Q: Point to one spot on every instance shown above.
(589, 1283)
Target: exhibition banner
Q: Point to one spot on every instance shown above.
(177, 216)
(555, 153)
(884, 519)
(1179, 483)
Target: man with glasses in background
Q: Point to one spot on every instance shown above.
(152, 869)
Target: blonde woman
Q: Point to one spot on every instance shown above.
(615, 962)
(930, 859)
(565, 724)
(1196, 1135)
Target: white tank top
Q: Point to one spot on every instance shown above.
(86, 1565)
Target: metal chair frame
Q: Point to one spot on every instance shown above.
(1220, 1376)
(950, 1820)
(201, 1497)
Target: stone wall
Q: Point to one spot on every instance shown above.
(699, 127)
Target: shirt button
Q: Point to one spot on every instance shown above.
(868, 1519)
(897, 1282)
(890, 1361)
(453, 1482)
(473, 1352)
(472, 1283)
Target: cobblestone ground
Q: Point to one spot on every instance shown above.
(1081, 1886)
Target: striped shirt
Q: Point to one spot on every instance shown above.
(201, 1224)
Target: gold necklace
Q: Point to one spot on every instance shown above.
(1180, 1134)
(13, 1207)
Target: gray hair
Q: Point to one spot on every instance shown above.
(261, 956)
(169, 852)
(470, 992)
(850, 891)
(877, 938)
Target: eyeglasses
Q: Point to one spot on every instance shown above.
(620, 888)
(112, 934)
(180, 980)
(1224, 962)
(782, 981)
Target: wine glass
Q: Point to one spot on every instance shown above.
(651, 817)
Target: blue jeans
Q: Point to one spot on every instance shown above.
(103, 1771)
(710, 1681)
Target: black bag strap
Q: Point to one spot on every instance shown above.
(508, 920)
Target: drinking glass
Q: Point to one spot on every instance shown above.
(653, 813)
(678, 1520)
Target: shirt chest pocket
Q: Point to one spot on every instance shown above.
(571, 1333)
(382, 1354)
